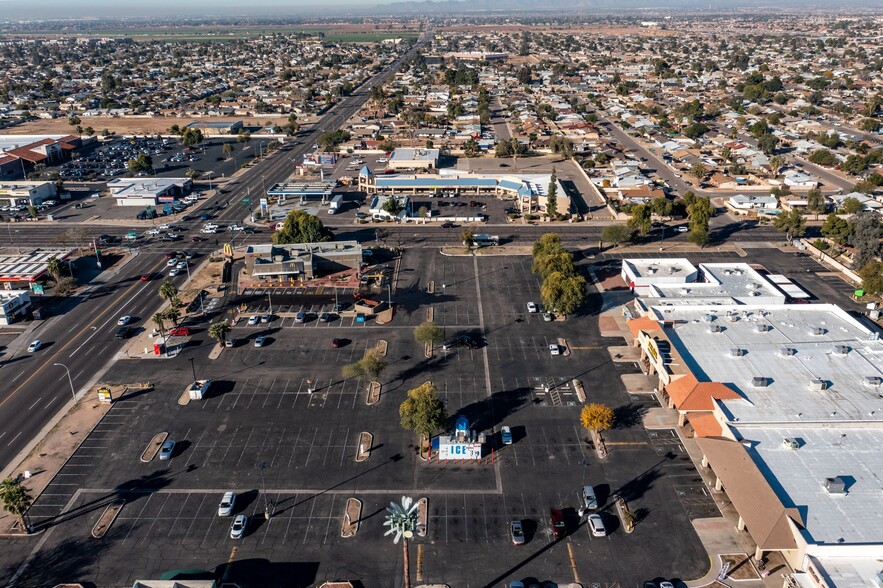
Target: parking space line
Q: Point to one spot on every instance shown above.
(136, 518)
(269, 393)
(284, 390)
(193, 452)
(193, 519)
(177, 516)
(253, 394)
(278, 445)
(312, 444)
(309, 520)
(154, 519)
(290, 517)
(231, 444)
(329, 517)
(328, 446)
(294, 447)
(346, 437)
(244, 447)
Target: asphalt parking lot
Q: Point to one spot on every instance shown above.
(287, 406)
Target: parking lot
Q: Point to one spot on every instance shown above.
(287, 406)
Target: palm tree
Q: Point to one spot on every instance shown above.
(53, 266)
(160, 320)
(219, 331)
(168, 291)
(173, 314)
(16, 500)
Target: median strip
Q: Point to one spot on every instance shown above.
(153, 447)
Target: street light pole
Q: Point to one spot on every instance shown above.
(192, 367)
(69, 380)
(261, 467)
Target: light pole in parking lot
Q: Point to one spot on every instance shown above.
(267, 514)
(69, 380)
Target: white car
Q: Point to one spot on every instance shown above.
(181, 265)
(681, 229)
(554, 349)
(225, 509)
(235, 228)
(259, 342)
(35, 346)
(152, 232)
(163, 227)
(124, 320)
(172, 263)
(531, 307)
(237, 529)
(208, 231)
(253, 320)
(174, 272)
(596, 524)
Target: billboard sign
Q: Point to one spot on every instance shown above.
(458, 450)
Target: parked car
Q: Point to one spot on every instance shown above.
(167, 449)
(589, 498)
(556, 518)
(468, 341)
(506, 435)
(300, 317)
(35, 346)
(596, 524)
(229, 342)
(259, 342)
(237, 529)
(324, 317)
(265, 318)
(554, 349)
(682, 229)
(225, 509)
(531, 307)
(253, 320)
(180, 332)
(336, 343)
(516, 532)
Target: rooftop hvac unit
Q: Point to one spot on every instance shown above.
(872, 382)
(787, 351)
(841, 350)
(736, 352)
(651, 270)
(817, 385)
(818, 331)
(714, 328)
(835, 485)
(732, 317)
(760, 382)
(791, 443)
(761, 328)
(708, 318)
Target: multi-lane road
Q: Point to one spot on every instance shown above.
(82, 340)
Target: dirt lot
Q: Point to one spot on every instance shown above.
(600, 30)
(130, 126)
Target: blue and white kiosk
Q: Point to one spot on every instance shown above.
(463, 443)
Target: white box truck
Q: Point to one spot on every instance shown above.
(335, 205)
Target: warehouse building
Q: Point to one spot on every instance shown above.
(148, 191)
(24, 193)
(214, 128)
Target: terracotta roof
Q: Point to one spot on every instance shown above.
(705, 425)
(688, 393)
(26, 154)
(767, 519)
(644, 323)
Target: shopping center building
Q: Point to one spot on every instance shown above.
(785, 403)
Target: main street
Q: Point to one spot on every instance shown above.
(82, 340)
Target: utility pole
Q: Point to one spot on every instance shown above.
(267, 513)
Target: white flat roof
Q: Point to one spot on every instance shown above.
(788, 397)
(9, 142)
(409, 154)
(123, 187)
(722, 280)
(648, 267)
(797, 476)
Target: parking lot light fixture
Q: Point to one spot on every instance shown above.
(69, 380)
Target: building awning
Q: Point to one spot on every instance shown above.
(688, 393)
(705, 425)
(644, 323)
(767, 519)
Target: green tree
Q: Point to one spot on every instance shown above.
(191, 137)
(192, 173)
(836, 229)
(865, 237)
(699, 211)
(872, 276)
(699, 236)
(852, 205)
(175, 130)
(640, 219)
(173, 313)
(219, 331)
(16, 500)
(422, 411)
(616, 234)
(227, 149)
(467, 237)
(791, 223)
(596, 417)
(370, 366)
(471, 148)
(393, 206)
(429, 332)
(552, 196)
(301, 227)
(776, 163)
(243, 137)
(768, 143)
(546, 244)
(563, 293)
(142, 162)
(74, 120)
(329, 140)
(815, 201)
(548, 263)
(822, 157)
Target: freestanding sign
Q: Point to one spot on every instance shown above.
(264, 204)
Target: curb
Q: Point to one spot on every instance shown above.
(374, 389)
(153, 447)
(113, 510)
(363, 450)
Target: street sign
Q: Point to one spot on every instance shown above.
(37, 288)
(246, 200)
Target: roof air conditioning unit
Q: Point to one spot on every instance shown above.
(714, 328)
(736, 352)
(817, 385)
(732, 318)
(872, 382)
(791, 443)
(787, 351)
(761, 328)
(760, 382)
(835, 485)
(708, 318)
(841, 350)
(818, 331)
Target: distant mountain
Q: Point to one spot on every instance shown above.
(608, 6)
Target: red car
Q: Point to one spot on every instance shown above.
(196, 239)
(271, 227)
(336, 343)
(556, 517)
(146, 277)
(180, 332)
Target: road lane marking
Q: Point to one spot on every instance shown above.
(36, 402)
(13, 439)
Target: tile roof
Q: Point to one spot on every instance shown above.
(690, 394)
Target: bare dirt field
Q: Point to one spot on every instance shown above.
(600, 30)
(130, 126)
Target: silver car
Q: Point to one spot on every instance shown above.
(237, 529)
(166, 451)
(516, 532)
